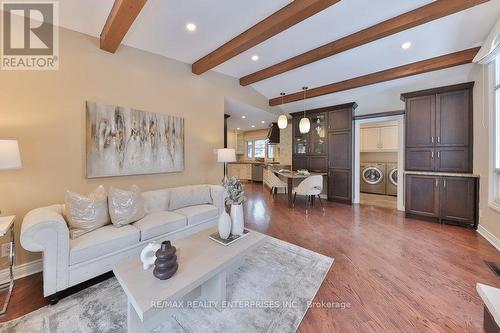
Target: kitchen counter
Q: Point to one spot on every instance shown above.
(443, 174)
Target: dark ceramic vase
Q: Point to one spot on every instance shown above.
(166, 261)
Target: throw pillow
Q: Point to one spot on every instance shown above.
(189, 196)
(86, 213)
(125, 206)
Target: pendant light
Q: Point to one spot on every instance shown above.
(304, 124)
(283, 119)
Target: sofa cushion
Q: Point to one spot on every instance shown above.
(125, 206)
(189, 196)
(102, 241)
(159, 223)
(199, 213)
(156, 201)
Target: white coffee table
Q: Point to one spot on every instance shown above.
(201, 276)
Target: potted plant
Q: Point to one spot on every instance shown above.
(234, 198)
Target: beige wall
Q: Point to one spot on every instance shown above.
(483, 108)
(46, 112)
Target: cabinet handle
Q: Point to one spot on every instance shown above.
(439, 155)
(437, 182)
(432, 154)
(439, 139)
(432, 139)
(444, 183)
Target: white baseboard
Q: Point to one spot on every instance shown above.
(489, 237)
(22, 270)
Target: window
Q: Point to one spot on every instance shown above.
(249, 149)
(270, 151)
(260, 149)
(495, 138)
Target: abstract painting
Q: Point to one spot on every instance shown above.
(124, 141)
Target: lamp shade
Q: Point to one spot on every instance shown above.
(10, 159)
(226, 155)
(282, 121)
(304, 125)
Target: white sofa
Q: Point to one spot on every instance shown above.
(67, 262)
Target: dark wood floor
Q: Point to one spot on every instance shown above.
(394, 274)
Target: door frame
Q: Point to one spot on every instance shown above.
(357, 151)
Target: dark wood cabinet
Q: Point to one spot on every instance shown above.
(448, 199)
(439, 123)
(327, 147)
(422, 195)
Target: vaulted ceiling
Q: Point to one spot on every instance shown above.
(161, 28)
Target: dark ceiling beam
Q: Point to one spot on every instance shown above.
(281, 20)
(433, 11)
(420, 67)
(120, 19)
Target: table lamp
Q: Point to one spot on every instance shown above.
(10, 159)
(225, 156)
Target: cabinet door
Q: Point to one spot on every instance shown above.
(370, 139)
(420, 159)
(300, 162)
(453, 159)
(340, 185)
(340, 150)
(420, 121)
(389, 138)
(340, 120)
(317, 134)
(232, 170)
(300, 141)
(318, 164)
(422, 195)
(458, 199)
(453, 118)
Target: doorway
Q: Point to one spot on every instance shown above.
(379, 161)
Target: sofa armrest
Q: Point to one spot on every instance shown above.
(218, 197)
(45, 230)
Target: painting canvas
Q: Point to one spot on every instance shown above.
(124, 141)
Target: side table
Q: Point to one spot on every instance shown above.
(6, 225)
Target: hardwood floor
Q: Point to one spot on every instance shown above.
(386, 201)
(393, 274)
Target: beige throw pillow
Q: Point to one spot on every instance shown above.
(125, 206)
(86, 213)
(189, 196)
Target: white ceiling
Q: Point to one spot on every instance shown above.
(160, 28)
(253, 116)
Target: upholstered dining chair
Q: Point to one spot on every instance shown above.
(274, 182)
(310, 187)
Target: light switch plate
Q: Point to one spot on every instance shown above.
(5, 249)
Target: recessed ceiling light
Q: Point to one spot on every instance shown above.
(406, 45)
(262, 121)
(255, 57)
(191, 26)
(253, 126)
(243, 117)
(238, 128)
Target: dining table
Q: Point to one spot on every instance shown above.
(290, 176)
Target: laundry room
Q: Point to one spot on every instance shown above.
(379, 163)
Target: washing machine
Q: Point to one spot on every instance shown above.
(392, 179)
(373, 178)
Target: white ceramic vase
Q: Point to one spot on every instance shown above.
(237, 220)
(224, 225)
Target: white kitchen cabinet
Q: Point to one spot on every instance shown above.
(242, 171)
(379, 139)
(240, 144)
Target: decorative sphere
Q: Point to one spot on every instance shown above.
(304, 125)
(282, 121)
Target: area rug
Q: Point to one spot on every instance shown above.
(269, 292)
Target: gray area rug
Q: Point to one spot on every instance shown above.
(268, 293)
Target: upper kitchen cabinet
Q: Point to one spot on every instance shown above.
(440, 121)
(379, 138)
(300, 141)
(318, 132)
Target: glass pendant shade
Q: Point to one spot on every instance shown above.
(282, 121)
(304, 125)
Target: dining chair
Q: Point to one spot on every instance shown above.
(274, 182)
(310, 187)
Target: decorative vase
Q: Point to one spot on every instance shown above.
(166, 261)
(238, 224)
(224, 225)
